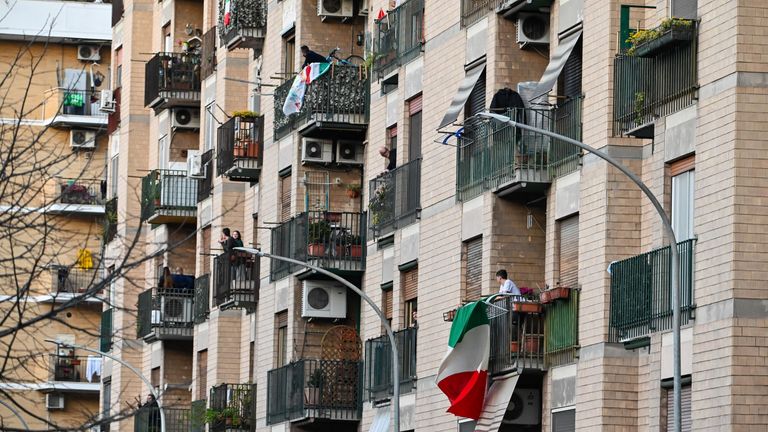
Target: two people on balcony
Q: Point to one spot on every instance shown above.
(229, 241)
(178, 280)
(311, 57)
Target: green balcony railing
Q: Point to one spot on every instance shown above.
(148, 420)
(561, 330)
(654, 85)
(378, 364)
(395, 198)
(197, 415)
(202, 298)
(245, 26)
(339, 99)
(165, 313)
(106, 331)
(399, 37)
(234, 406)
(641, 297)
(168, 195)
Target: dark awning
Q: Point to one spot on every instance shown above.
(556, 64)
(461, 96)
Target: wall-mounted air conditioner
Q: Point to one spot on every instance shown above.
(316, 150)
(195, 167)
(323, 299)
(532, 28)
(349, 152)
(185, 118)
(88, 53)
(364, 6)
(107, 101)
(82, 139)
(54, 401)
(524, 407)
(335, 8)
(176, 308)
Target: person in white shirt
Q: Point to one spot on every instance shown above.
(506, 286)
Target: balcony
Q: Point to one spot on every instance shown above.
(236, 281)
(474, 10)
(240, 149)
(70, 281)
(395, 198)
(331, 240)
(315, 389)
(205, 184)
(517, 336)
(561, 327)
(165, 314)
(208, 52)
(498, 157)
(246, 26)
(233, 408)
(201, 303)
(659, 79)
(172, 79)
(378, 364)
(197, 412)
(336, 103)
(399, 37)
(147, 419)
(641, 295)
(105, 334)
(73, 108)
(74, 373)
(77, 196)
(168, 196)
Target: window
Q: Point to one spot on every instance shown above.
(281, 338)
(564, 420)
(210, 126)
(683, 177)
(568, 251)
(251, 353)
(112, 285)
(107, 401)
(409, 289)
(473, 268)
(685, 408)
(476, 100)
(114, 164)
(202, 375)
(155, 378)
(205, 239)
(289, 53)
(685, 9)
(386, 306)
(164, 151)
(392, 139)
(569, 81)
(285, 198)
(255, 241)
(414, 130)
(167, 38)
(118, 67)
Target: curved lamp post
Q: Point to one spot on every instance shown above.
(14, 412)
(387, 328)
(667, 226)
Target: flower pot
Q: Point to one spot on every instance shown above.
(356, 251)
(316, 249)
(352, 194)
(531, 344)
(559, 293)
(526, 307)
(545, 297)
(311, 396)
(672, 37)
(246, 148)
(514, 346)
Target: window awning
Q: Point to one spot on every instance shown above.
(496, 402)
(380, 420)
(461, 96)
(556, 64)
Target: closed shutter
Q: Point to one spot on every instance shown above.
(410, 284)
(685, 409)
(206, 250)
(285, 198)
(414, 137)
(476, 101)
(473, 275)
(564, 421)
(571, 75)
(281, 338)
(414, 105)
(684, 8)
(202, 374)
(386, 303)
(569, 251)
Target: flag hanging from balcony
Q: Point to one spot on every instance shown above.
(227, 12)
(463, 374)
(295, 98)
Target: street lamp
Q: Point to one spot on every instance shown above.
(667, 226)
(131, 368)
(384, 322)
(16, 413)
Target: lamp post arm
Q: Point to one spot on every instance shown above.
(12, 410)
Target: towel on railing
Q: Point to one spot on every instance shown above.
(93, 366)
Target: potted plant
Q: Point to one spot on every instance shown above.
(312, 390)
(317, 235)
(353, 190)
(672, 31)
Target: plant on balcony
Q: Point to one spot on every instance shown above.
(639, 106)
(312, 390)
(354, 243)
(379, 205)
(75, 194)
(317, 234)
(672, 30)
(247, 114)
(229, 416)
(353, 190)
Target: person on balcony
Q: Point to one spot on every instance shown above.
(152, 410)
(239, 261)
(166, 280)
(506, 286)
(311, 57)
(390, 156)
(226, 241)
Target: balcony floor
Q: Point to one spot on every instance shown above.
(78, 121)
(86, 209)
(170, 333)
(165, 216)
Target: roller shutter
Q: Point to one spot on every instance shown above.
(569, 251)
(685, 406)
(473, 275)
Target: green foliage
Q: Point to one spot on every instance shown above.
(641, 37)
(354, 187)
(318, 231)
(245, 114)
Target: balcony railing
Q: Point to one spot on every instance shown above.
(395, 198)
(332, 240)
(473, 10)
(399, 37)
(110, 220)
(172, 79)
(494, 155)
(318, 389)
(236, 280)
(197, 415)
(241, 144)
(73, 280)
(82, 369)
(208, 54)
(246, 25)
(168, 196)
(113, 119)
(148, 420)
(646, 88)
(165, 314)
(202, 298)
(561, 330)
(105, 335)
(641, 295)
(378, 364)
(517, 335)
(205, 184)
(63, 105)
(80, 191)
(336, 100)
(234, 406)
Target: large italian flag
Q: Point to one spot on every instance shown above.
(463, 375)
(295, 98)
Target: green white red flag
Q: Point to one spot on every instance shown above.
(463, 374)
(295, 98)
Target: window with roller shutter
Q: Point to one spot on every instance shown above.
(569, 251)
(686, 422)
(281, 338)
(409, 288)
(569, 82)
(476, 101)
(473, 269)
(564, 421)
(285, 198)
(202, 374)
(386, 306)
(206, 250)
(685, 9)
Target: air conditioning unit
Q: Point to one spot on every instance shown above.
(349, 152)
(82, 139)
(88, 53)
(524, 407)
(364, 6)
(532, 28)
(54, 401)
(185, 118)
(316, 150)
(335, 8)
(195, 167)
(107, 101)
(176, 308)
(323, 299)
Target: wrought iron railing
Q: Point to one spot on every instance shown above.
(340, 95)
(395, 198)
(170, 310)
(74, 280)
(234, 407)
(169, 191)
(83, 369)
(105, 335)
(332, 240)
(399, 37)
(113, 118)
(197, 415)
(110, 219)
(202, 298)
(80, 191)
(65, 101)
(172, 77)
(564, 157)
(646, 88)
(148, 419)
(517, 335)
(240, 146)
(245, 25)
(321, 389)
(561, 330)
(205, 184)
(378, 364)
(641, 295)
(236, 279)
(208, 54)
(474, 10)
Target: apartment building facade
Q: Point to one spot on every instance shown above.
(269, 345)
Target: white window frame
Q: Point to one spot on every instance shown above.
(683, 204)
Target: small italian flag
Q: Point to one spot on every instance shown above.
(227, 12)
(463, 374)
(295, 98)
